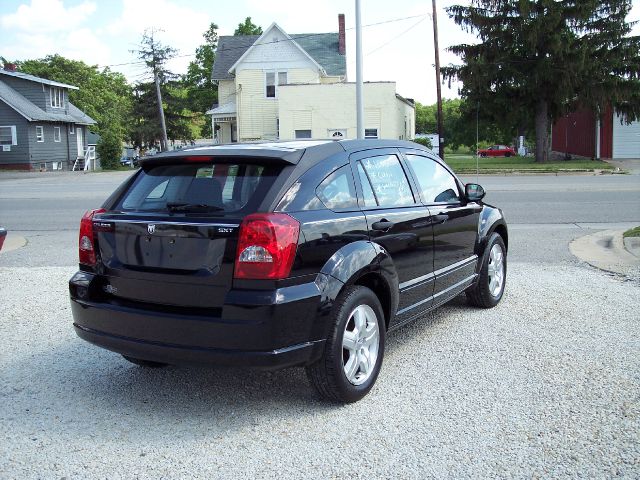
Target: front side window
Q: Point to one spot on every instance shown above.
(387, 180)
(56, 95)
(337, 191)
(272, 80)
(39, 133)
(8, 135)
(436, 184)
(56, 134)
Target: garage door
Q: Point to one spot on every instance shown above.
(626, 139)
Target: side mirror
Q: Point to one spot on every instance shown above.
(474, 192)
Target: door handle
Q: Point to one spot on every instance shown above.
(438, 219)
(382, 225)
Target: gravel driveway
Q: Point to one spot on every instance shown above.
(545, 385)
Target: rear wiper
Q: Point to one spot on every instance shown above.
(192, 207)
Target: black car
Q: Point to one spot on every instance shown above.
(283, 254)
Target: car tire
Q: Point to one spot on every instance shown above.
(507, 155)
(144, 363)
(483, 155)
(334, 376)
(489, 288)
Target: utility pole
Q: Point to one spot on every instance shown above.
(438, 89)
(359, 104)
(164, 144)
(165, 140)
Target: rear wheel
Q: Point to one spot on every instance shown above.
(353, 353)
(489, 288)
(507, 155)
(144, 363)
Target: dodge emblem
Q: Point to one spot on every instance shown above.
(151, 229)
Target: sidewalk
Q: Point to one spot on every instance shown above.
(606, 250)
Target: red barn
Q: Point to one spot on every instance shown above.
(580, 133)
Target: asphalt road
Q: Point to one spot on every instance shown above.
(544, 212)
(543, 386)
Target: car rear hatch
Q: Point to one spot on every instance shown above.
(171, 239)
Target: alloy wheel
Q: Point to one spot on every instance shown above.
(496, 270)
(360, 345)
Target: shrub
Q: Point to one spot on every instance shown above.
(426, 141)
(109, 149)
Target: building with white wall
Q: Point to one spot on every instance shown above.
(281, 86)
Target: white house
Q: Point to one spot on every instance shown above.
(280, 86)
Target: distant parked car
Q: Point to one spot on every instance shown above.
(3, 235)
(497, 151)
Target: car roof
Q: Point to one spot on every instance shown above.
(291, 151)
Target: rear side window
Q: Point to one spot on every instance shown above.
(337, 191)
(387, 181)
(436, 184)
(224, 187)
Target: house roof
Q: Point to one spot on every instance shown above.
(226, 109)
(262, 41)
(321, 47)
(32, 112)
(32, 78)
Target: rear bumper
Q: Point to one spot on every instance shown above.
(285, 332)
(185, 355)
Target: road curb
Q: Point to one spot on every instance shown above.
(13, 242)
(605, 250)
(632, 245)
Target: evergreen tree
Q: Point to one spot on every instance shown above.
(542, 58)
(155, 55)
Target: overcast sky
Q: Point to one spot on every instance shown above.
(104, 31)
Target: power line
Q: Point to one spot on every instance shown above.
(423, 16)
(398, 36)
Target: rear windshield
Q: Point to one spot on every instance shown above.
(204, 188)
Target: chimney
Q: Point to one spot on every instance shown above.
(10, 67)
(342, 48)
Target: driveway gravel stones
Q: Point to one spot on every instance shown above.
(547, 384)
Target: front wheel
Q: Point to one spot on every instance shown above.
(489, 287)
(353, 353)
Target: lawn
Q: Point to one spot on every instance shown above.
(634, 232)
(467, 164)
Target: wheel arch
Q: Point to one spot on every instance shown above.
(367, 264)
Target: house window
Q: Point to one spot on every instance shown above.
(56, 95)
(303, 133)
(272, 80)
(56, 134)
(72, 128)
(370, 133)
(39, 133)
(337, 133)
(8, 135)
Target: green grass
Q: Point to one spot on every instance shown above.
(633, 232)
(467, 164)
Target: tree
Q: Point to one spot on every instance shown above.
(248, 28)
(202, 92)
(547, 57)
(155, 55)
(104, 95)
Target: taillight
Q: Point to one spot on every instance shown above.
(266, 246)
(87, 252)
